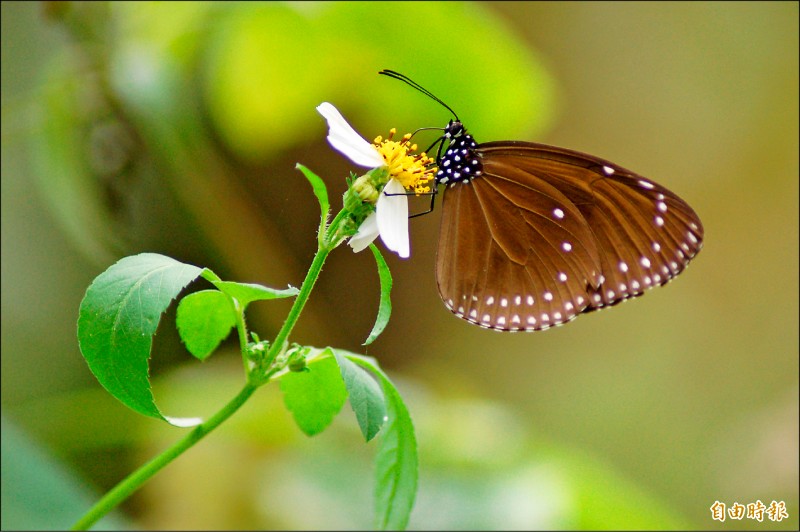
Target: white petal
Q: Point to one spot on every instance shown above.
(393, 218)
(367, 233)
(345, 139)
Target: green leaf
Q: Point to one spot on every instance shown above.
(385, 306)
(396, 463)
(246, 293)
(210, 276)
(118, 317)
(314, 397)
(366, 397)
(204, 320)
(322, 196)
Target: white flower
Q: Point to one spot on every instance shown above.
(390, 219)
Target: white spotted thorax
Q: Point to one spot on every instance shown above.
(459, 163)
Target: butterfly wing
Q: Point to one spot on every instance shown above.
(546, 233)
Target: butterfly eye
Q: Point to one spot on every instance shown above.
(453, 129)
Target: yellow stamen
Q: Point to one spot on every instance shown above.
(414, 172)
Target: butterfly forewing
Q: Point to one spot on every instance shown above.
(545, 233)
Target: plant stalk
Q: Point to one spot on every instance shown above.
(135, 480)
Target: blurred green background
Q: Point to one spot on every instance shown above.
(175, 128)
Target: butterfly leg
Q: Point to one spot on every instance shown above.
(432, 194)
(433, 199)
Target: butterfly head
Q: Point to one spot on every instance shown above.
(456, 156)
(454, 130)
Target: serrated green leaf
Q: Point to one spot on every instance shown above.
(204, 320)
(366, 397)
(385, 305)
(321, 192)
(118, 317)
(314, 397)
(246, 293)
(396, 464)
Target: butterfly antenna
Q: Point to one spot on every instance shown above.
(420, 88)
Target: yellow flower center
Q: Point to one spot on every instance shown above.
(414, 172)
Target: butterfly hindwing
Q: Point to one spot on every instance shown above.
(509, 260)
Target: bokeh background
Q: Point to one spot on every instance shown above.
(175, 128)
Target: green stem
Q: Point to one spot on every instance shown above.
(332, 237)
(241, 329)
(135, 480)
(299, 302)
